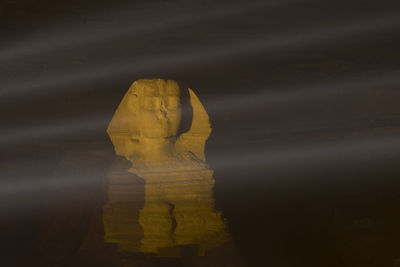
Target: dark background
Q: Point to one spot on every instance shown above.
(303, 97)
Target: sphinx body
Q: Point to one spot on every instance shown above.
(179, 206)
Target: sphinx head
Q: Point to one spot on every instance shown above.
(144, 128)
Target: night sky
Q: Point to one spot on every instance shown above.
(303, 97)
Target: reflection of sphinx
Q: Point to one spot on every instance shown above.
(179, 206)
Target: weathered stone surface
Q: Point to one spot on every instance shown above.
(179, 205)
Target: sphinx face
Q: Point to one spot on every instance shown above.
(157, 105)
(146, 123)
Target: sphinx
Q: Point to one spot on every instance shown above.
(179, 207)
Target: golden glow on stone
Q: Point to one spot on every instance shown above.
(179, 205)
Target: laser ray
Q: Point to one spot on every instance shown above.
(218, 106)
(190, 58)
(63, 38)
(317, 154)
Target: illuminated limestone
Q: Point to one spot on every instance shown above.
(146, 122)
(179, 206)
